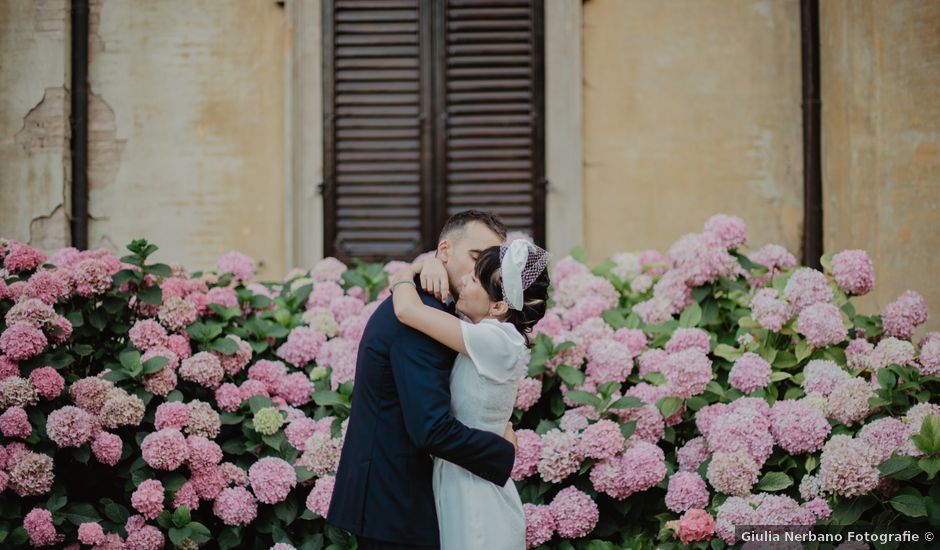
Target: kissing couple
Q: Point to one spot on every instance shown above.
(429, 446)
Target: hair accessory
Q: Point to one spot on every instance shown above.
(521, 263)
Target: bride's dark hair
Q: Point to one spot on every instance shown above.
(534, 299)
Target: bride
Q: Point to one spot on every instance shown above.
(499, 304)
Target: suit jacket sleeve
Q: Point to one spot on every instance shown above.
(421, 367)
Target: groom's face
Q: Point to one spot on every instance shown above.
(460, 249)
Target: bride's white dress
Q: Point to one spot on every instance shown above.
(474, 513)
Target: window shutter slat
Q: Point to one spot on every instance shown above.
(373, 159)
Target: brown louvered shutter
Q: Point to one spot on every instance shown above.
(375, 161)
(430, 107)
(491, 92)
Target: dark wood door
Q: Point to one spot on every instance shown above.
(430, 107)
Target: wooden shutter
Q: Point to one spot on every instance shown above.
(376, 173)
(430, 107)
(491, 92)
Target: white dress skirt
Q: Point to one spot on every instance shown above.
(472, 513)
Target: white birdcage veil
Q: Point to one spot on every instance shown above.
(521, 263)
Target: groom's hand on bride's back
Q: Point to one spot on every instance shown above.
(510, 436)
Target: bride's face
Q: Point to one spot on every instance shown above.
(474, 302)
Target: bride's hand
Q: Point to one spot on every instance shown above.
(434, 278)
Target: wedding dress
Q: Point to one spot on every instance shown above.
(472, 513)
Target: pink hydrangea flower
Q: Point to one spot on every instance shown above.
(165, 449)
(701, 258)
(107, 448)
(528, 393)
(177, 313)
(179, 344)
(608, 361)
(689, 338)
(22, 341)
(540, 524)
(295, 388)
(819, 508)
(749, 373)
(70, 426)
(208, 482)
(601, 440)
(301, 346)
(528, 454)
(883, 437)
(560, 456)
(203, 368)
(691, 455)
(567, 267)
(745, 430)
(550, 325)
(241, 265)
(91, 277)
(732, 473)
(769, 311)
(272, 479)
(30, 311)
(172, 414)
(652, 360)
(891, 351)
(688, 372)
(90, 533)
(39, 527)
(806, 287)
(203, 453)
(929, 361)
(823, 376)
(9, 367)
(903, 315)
(147, 537)
(146, 334)
(650, 424)
(324, 292)
(640, 467)
(47, 381)
(821, 324)
(797, 427)
(235, 506)
(148, 498)
(858, 354)
(187, 496)
(695, 525)
(576, 514)
(14, 422)
(686, 490)
(228, 397)
(234, 363)
(328, 269)
(19, 256)
(318, 501)
(730, 231)
(853, 271)
(845, 467)
(848, 402)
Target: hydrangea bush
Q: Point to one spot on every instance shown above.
(669, 398)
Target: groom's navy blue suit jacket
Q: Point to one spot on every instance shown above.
(400, 417)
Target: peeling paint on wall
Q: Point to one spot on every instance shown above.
(45, 129)
(51, 15)
(104, 149)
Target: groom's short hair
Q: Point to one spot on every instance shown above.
(456, 224)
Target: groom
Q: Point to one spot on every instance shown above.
(401, 415)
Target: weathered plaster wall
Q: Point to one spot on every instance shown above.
(690, 108)
(881, 141)
(34, 107)
(187, 128)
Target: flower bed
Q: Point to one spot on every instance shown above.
(669, 398)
